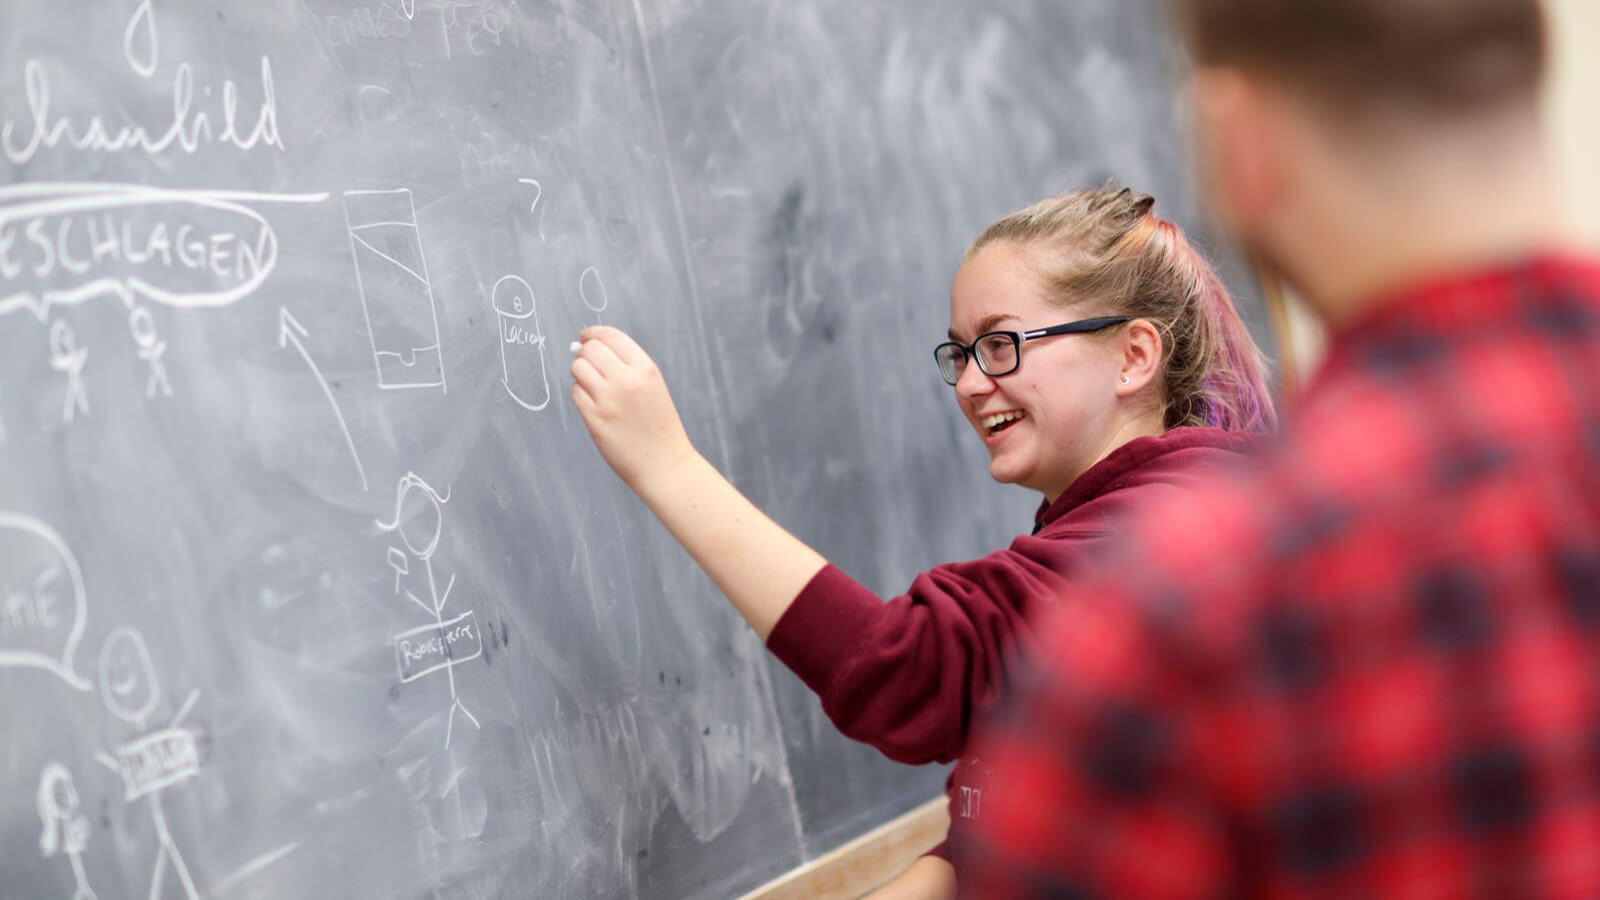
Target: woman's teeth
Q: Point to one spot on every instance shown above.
(999, 421)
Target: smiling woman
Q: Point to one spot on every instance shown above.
(1112, 371)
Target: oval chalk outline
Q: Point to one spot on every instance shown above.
(79, 197)
(143, 649)
(605, 296)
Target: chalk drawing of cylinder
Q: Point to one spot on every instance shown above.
(522, 368)
(396, 295)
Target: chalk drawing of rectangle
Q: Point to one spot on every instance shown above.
(423, 651)
(157, 760)
(396, 294)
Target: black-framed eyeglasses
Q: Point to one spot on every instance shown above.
(1000, 352)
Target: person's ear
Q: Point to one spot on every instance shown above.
(1239, 142)
(1141, 357)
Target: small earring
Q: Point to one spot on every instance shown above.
(1124, 379)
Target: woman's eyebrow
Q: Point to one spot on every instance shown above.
(985, 325)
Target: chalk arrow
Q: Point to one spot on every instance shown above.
(289, 328)
(290, 331)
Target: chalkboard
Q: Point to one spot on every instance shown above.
(312, 585)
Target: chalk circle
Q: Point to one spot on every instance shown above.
(421, 523)
(593, 290)
(513, 297)
(63, 339)
(143, 326)
(126, 673)
(57, 796)
(418, 515)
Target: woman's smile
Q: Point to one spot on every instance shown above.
(995, 426)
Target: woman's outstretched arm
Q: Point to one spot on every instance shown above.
(630, 415)
(906, 676)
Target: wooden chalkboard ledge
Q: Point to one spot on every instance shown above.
(866, 862)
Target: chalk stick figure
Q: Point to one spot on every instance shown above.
(441, 645)
(69, 359)
(151, 348)
(66, 828)
(154, 761)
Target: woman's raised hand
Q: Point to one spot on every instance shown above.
(626, 406)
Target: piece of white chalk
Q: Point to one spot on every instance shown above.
(577, 347)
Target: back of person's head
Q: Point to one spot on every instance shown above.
(1105, 252)
(1355, 145)
(1418, 58)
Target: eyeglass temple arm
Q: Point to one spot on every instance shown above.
(1075, 327)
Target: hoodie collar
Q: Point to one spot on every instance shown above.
(1103, 475)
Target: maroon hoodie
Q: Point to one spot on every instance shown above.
(912, 675)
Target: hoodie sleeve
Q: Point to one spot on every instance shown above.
(909, 676)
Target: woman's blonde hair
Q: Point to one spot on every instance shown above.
(1104, 249)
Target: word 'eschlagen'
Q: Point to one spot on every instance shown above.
(109, 243)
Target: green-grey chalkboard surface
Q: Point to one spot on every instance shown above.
(312, 585)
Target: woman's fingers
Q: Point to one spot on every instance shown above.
(587, 377)
(626, 405)
(625, 347)
(582, 400)
(600, 354)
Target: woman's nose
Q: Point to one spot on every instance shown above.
(973, 381)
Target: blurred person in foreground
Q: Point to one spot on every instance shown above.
(1369, 666)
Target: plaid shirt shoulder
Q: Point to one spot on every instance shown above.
(1369, 667)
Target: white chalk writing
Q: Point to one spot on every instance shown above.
(157, 760)
(189, 131)
(432, 647)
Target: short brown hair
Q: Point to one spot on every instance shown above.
(1438, 56)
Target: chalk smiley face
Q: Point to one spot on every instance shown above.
(127, 676)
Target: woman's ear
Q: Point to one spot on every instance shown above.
(1141, 357)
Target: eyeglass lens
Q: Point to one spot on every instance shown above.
(997, 355)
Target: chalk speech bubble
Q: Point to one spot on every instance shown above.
(42, 600)
(179, 248)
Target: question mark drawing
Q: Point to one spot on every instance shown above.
(538, 194)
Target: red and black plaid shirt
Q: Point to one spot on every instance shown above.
(1370, 667)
